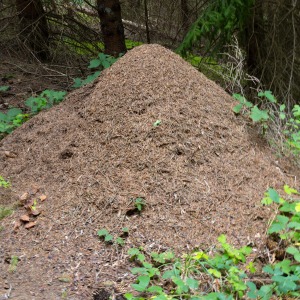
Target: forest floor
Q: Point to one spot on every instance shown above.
(151, 127)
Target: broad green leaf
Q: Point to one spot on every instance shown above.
(120, 241)
(133, 251)
(297, 207)
(13, 112)
(155, 289)
(268, 95)
(4, 88)
(77, 83)
(258, 115)
(266, 201)
(292, 250)
(102, 232)
(274, 195)
(95, 63)
(294, 225)
(268, 269)
(108, 238)
(215, 273)
(286, 284)
(282, 107)
(105, 64)
(143, 282)
(192, 283)
(237, 109)
(289, 190)
(253, 292)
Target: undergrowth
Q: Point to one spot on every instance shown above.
(273, 117)
(226, 273)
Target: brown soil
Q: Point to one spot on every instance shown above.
(202, 172)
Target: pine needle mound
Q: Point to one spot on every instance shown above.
(153, 127)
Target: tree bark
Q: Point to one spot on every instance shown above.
(34, 28)
(109, 12)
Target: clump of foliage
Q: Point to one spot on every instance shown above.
(276, 113)
(217, 25)
(15, 117)
(103, 61)
(45, 100)
(10, 120)
(110, 239)
(226, 273)
(13, 263)
(4, 183)
(5, 212)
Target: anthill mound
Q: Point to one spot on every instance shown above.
(152, 127)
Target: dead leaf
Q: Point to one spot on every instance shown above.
(35, 212)
(24, 197)
(10, 154)
(17, 226)
(30, 225)
(43, 197)
(34, 189)
(24, 218)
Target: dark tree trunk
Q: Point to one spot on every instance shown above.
(34, 28)
(109, 12)
(184, 14)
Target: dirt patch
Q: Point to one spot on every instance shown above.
(152, 127)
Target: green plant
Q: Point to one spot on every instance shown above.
(4, 183)
(217, 24)
(103, 61)
(5, 211)
(13, 263)
(11, 120)
(109, 239)
(276, 113)
(139, 203)
(224, 273)
(4, 88)
(45, 100)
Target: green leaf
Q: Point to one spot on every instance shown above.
(77, 83)
(95, 63)
(120, 241)
(13, 112)
(102, 232)
(133, 251)
(268, 269)
(4, 88)
(125, 229)
(282, 107)
(143, 282)
(155, 289)
(192, 283)
(292, 250)
(288, 190)
(286, 284)
(294, 225)
(253, 292)
(274, 195)
(258, 115)
(105, 64)
(268, 95)
(237, 109)
(215, 273)
(108, 238)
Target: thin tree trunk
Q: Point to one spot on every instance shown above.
(147, 21)
(109, 12)
(34, 28)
